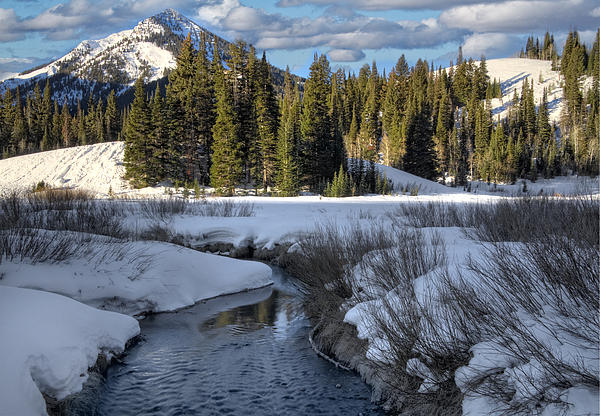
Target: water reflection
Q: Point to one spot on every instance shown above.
(241, 354)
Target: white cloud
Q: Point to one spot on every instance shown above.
(380, 4)
(4, 61)
(345, 55)
(491, 45)
(521, 16)
(9, 29)
(214, 11)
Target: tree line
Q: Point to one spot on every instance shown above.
(225, 124)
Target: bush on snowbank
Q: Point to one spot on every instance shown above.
(516, 325)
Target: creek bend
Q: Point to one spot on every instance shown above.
(242, 354)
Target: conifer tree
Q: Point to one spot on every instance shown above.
(267, 114)
(160, 162)
(286, 179)
(336, 144)
(136, 133)
(316, 125)
(19, 130)
(204, 108)
(227, 163)
(112, 118)
(56, 126)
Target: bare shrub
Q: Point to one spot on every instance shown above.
(340, 266)
(535, 218)
(165, 208)
(162, 208)
(431, 214)
(223, 208)
(535, 302)
(58, 198)
(54, 225)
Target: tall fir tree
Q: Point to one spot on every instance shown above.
(317, 165)
(267, 114)
(286, 178)
(227, 163)
(137, 132)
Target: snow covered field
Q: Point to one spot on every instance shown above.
(159, 276)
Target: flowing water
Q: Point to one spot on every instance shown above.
(244, 354)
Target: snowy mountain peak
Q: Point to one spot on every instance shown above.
(147, 50)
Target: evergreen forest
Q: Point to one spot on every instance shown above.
(223, 123)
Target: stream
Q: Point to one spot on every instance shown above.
(242, 354)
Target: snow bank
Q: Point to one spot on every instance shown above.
(527, 376)
(402, 179)
(153, 276)
(96, 167)
(48, 343)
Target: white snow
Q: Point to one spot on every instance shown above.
(94, 167)
(151, 277)
(156, 276)
(48, 343)
(513, 72)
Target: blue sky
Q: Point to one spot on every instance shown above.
(350, 32)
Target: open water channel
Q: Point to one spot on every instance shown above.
(243, 354)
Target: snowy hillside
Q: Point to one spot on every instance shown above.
(99, 167)
(512, 73)
(95, 167)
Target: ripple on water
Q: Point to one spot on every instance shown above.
(245, 354)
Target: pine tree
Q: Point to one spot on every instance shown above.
(204, 104)
(19, 130)
(420, 153)
(369, 128)
(66, 137)
(137, 132)
(112, 118)
(336, 144)
(267, 115)
(316, 125)
(286, 179)
(180, 97)
(55, 133)
(161, 158)
(442, 131)
(227, 163)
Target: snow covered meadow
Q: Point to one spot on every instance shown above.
(476, 301)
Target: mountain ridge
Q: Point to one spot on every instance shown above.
(114, 62)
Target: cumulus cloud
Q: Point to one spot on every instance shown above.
(491, 45)
(345, 55)
(75, 18)
(380, 4)
(9, 30)
(522, 16)
(350, 31)
(485, 26)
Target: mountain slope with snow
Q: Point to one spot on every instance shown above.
(116, 61)
(148, 49)
(513, 72)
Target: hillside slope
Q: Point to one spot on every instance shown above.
(96, 167)
(99, 167)
(513, 72)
